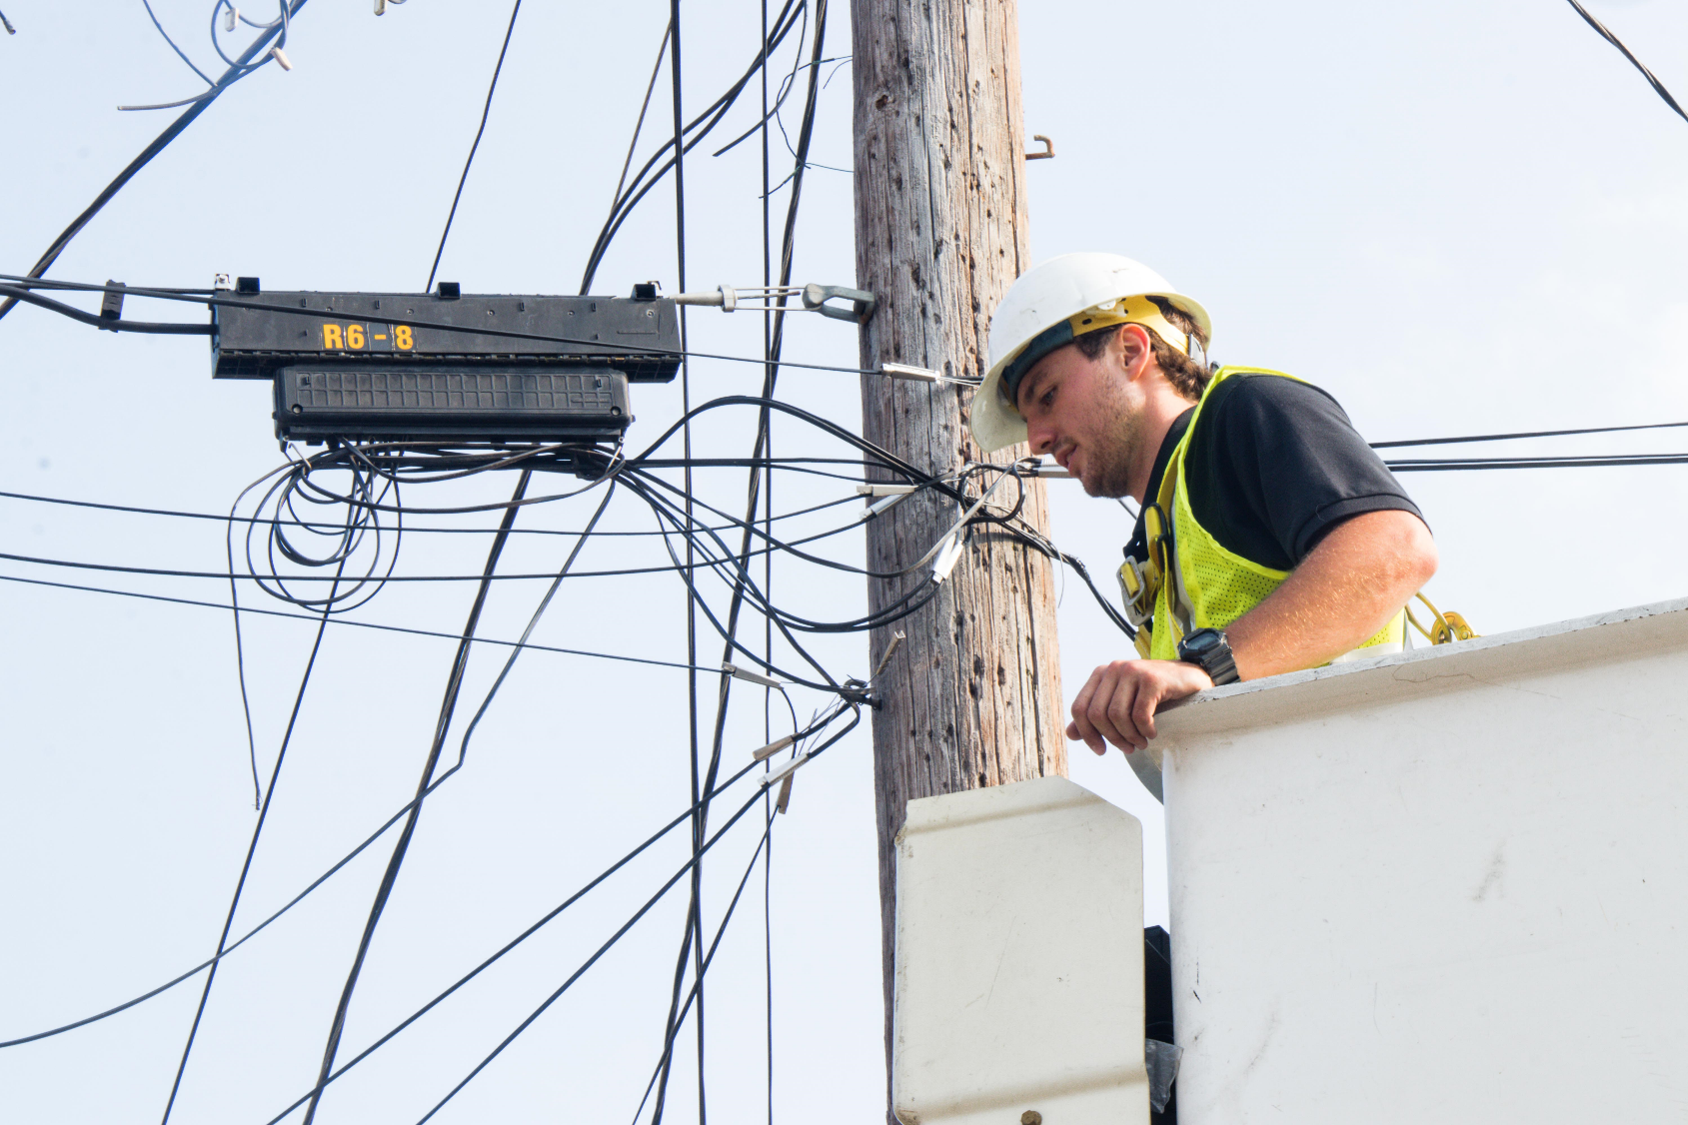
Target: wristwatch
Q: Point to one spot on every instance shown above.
(1208, 650)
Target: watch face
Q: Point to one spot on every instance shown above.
(1202, 642)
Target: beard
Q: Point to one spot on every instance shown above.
(1115, 437)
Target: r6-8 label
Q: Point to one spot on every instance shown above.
(367, 337)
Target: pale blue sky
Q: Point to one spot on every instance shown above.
(1457, 217)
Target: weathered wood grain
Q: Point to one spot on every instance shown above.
(974, 696)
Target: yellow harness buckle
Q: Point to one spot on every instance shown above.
(1136, 591)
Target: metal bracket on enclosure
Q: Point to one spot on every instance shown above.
(775, 298)
(1048, 152)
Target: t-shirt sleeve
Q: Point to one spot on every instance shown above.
(1275, 463)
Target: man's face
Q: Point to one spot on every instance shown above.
(1084, 413)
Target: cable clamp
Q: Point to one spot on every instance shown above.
(912, 373)
(749, 677)
(862, 303)
(229, 17)
(885, 489)
(780, 298)
(922, 374)
(1046, 467)
(111, 305)
(784, 772)
(280, 56)
(860, 694)
(881, 506)
(773, 748)
(948, 555)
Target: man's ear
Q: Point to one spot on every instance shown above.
(1131, 346)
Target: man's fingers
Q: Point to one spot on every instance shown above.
(1122, 712)
(1081, 726)
(1112, 693)
(1098, 747)
(1142, 716)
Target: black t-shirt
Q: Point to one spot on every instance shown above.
(1273, 466)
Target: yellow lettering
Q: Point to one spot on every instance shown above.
(354, 335)
(402, 338)
(331, 337)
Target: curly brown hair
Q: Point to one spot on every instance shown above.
(1189, 377)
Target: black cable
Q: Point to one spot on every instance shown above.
(245, 869)
(463, 179)
(576, 975)
(239, 646)
(1473, 438)
(1658, 87)
(1429, 465)
(448, 706)
(220, 575)
(714, 944)
(694, 914)
(533, 622)
(341, 864)
(16, 293)
(179, 52)
(233, 74)
(767, 571)
(413, 530)
(773, 345)
(377, 318)
(639, 124)
(552, 914)
(699, 128)
(225, 607)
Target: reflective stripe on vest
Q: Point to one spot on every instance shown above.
(1210, 586)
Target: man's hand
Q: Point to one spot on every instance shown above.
(1119, 701)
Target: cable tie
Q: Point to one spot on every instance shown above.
(229, 17)
(280, 56)
(885, 489)
(773, 748)
(749, 677)
(948, 556)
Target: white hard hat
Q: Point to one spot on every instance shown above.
(1050, 304)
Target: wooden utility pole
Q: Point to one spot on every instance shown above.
(973, 698)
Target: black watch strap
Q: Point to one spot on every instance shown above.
(1210, 650)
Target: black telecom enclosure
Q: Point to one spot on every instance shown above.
(419, 367)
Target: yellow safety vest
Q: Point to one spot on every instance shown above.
(1210, 586)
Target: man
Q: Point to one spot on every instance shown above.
(1271, 537)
